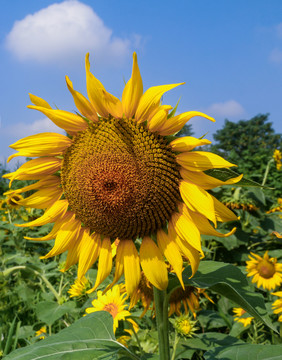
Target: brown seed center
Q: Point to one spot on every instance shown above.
(121, 180)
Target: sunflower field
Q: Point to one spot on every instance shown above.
(119, 240)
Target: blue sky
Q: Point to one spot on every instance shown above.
(229, 53)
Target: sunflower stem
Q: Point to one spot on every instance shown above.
(161, 305)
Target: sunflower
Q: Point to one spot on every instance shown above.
(79, 287)
(113, 301)
(242, 317)
(143, 291)
(41, 333)
(189, 297)
(277, 156)
(277, 305)
(120, 174)
(266, 271)
(184, 325)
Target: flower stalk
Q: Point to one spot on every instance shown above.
(161, 306)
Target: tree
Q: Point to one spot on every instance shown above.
(250, 144)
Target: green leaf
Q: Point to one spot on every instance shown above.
(226, 174)
(254, 352)
(229, 281)
(49, 311)
(210, 340)
(91, 337)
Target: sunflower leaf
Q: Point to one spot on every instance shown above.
(226, 174)
(257, 352)
(229, 281)
(91, 337)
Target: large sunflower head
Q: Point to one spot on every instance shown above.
(266, 271)
(120, 174)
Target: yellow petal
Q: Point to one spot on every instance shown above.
(188, 250)
(205, 227)
(83, 105)
(150, 101)
(176, 123)
(133, 91)
(205, 181)
(72, 123)
(48, 181)
(185, 227)
(222, 212)
(57, 226)
(159, 117)
(113, 104)
(90, 249)
(44, 144)
(36, 169)
(201, 160)
(53, 213)
(73, 252)
(170, 250)
(39, 101)
(153, 264)
(187, 143)
(197, 200)
(43, 198)
(103, 102)
(119, 268)
(131, 265)
(104, 264)
(65, 238)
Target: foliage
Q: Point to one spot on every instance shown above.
(250, 144)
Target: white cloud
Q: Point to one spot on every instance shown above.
(228, 108)
(276, 56)
(66, 31)
(20, 130)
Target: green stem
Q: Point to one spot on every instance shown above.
(266, 172)
(161, 302)
(24, 267)
(176, 340)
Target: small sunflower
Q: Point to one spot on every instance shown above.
(277, 156)
(184, 325)
(188, 297)
(113, 301)
(239, 316)
(120, 174)
(41, 333)
(266, 271)
(277, 305)
(79, 287)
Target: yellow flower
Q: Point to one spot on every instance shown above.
(189, 297)
(113, 302)
(41, 332)
(120, 175)
(277, 305)
(266, 271)
(184, 325)
(79, 287)
(241, 318)
(277, 156)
